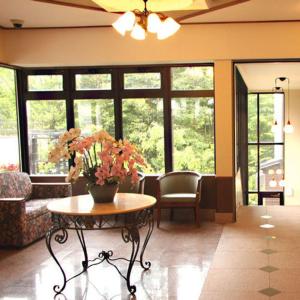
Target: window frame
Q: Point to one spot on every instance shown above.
(117, 93)
(258, 143)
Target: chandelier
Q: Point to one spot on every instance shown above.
(141, 22)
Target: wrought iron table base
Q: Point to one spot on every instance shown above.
(130, 233)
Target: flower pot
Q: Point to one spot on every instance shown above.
(103, 193)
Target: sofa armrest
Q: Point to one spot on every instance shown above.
(11, 210)
(51, 190)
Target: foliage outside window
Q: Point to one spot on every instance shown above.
(143, 126)
(9, 150)
(141, 105)
(193, 134)
(46, 122)
(265, 147)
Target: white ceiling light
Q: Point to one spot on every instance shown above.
(140, 22)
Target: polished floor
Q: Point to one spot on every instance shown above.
(181, 255)
(257, 258)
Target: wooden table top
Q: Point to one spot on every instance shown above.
(84, 205)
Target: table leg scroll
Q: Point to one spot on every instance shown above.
(60, 236)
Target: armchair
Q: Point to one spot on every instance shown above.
(126, 186)
(179, 189)
(24, 217)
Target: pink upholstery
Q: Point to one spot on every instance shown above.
(24, 217)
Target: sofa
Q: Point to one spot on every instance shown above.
(24, 217)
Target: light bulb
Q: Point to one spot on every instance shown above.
(271, 172)
(272, 183)
(274, 127)
(282, 182)
(125, 22)
(138, 32)
(154, 23)
(288, 128)
(168, 27)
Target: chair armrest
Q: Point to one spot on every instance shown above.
(51, 190)
(199, 190)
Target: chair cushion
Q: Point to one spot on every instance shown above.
(15, 185)
(179, 197)
(36, 208)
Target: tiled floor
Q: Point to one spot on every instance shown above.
(181, 255)
(241, 261)
(257, 263)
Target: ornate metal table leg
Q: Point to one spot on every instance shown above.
(60, 238)
(131, 234)
(149, 221)
(80, 235)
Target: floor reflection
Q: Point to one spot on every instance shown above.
(181, 257)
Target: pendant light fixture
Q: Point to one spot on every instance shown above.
(288, 128)
(141, 22)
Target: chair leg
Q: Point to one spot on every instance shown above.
(158, 217)
(197, 216)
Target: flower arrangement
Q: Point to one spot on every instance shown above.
(101, 158)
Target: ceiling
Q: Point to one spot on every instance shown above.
(261, 76)
(81, 13)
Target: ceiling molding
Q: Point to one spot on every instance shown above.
(213, 8)
(68, 4)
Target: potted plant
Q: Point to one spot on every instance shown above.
(102, 160)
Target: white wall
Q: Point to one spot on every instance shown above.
(193, 43)
(292, 147)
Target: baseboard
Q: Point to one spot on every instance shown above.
(222, 218)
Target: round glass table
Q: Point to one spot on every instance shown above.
(128, 212)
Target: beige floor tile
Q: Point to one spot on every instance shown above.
(231, 244)
(286, 280)
(285, 260)
(236, 280)
(287, 296)
(239, 259)
(232, 296)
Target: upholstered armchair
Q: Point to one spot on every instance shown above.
(127, 187)
(179, 189)
(24, 217)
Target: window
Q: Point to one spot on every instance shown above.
(143, 125)
(90, 115)
(142, 81)
(167, 111)
(93, 82)
(265, 146)
(9, 150)
(45, 83)
(193, 134)
(192, 78)
(46, 122)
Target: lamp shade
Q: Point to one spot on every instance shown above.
(154, 23)
(125, 22)
(138, 32)
(168, 27)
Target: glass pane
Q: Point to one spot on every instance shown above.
(45, 83)
(143, 126)
(9, 150)
(252, 117)
(193, 134)
(93, 82)
(252, 199)
(142, 81)
(252, 168)
(271, 167)
(46, 122)
(192, 78)
(93, 115)
(271, 109)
